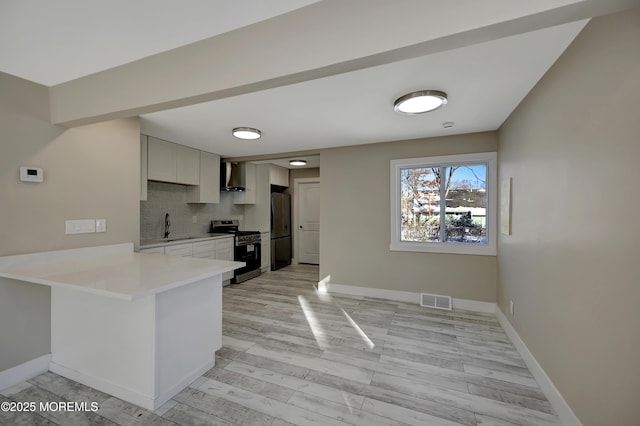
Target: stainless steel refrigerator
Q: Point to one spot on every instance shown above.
(280, 230)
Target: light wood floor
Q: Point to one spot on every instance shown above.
(291, 356)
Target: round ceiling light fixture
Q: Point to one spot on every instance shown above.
(420, 102)
(298, 162)
(246, 133)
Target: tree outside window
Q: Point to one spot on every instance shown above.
(443, 200)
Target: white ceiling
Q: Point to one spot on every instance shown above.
(53, 42)
(50, 42)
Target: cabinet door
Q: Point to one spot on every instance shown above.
(204, 247)
(161, 160)
(224, 243)
(265, 249)
(209, 189)
(179, 250)
(224, 254)
(279, 176)
(187, 165)
(153, 250)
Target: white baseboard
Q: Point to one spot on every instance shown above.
(135, 397)
(474, 305)
(150, 402)
(407, 297)
(25, 371)
(566, 414)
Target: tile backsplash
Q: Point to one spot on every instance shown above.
(163, 198)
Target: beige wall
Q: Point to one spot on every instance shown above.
(90, 172)
(571, 263)
(355, 218)
(294, 174)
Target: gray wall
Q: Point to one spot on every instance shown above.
(571, 263)
(355, 223)
(90, 172)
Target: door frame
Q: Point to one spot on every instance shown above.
(296, 224)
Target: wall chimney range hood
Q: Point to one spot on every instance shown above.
(232, 176)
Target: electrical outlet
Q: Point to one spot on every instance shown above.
(511, 307)
(195, 219)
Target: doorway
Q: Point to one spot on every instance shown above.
(307, 220)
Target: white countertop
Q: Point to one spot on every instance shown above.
(162, 242)
(112, 271)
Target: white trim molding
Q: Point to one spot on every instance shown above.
(564, 411)
(295, 225)
(24, 371)
(407, 297)
(488, 248)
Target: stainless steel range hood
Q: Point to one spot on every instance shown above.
(232, 176)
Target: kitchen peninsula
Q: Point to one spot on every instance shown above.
(140, 327)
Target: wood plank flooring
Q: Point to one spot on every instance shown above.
(292, 356)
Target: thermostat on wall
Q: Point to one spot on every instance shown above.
(31, 174)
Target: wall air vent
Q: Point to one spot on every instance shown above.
(435, 301)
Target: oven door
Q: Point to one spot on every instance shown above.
(251, 255)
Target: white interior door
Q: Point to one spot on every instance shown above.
(309, 222)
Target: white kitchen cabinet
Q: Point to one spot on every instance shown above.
(205, 249)
(179, 250)
(224, 251)
(279, 176)
(265, 249)
(209, 189)
(143, 167)
(170, 162)
(161, 160)
(187, 165)
(248, 196)
(153, 250)
(217, 248)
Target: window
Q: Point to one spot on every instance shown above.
(444, 204)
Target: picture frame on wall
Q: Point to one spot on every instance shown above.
(505, 206)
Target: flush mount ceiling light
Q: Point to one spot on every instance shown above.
(420, 102)
(298, 162)
(246, 133)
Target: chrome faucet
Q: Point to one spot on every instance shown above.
(167, 226)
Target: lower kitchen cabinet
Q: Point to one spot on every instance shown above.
(218, 248)
(265, 260)
(153, 250)
(179, 250)
(205, 249)
(224, 251)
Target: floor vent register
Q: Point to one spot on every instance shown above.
(435, 301)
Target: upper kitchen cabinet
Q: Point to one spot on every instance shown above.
(170, 162)
(279, 176)
(209, 189)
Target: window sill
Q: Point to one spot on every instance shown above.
(445, 248)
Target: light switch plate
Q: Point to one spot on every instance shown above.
(101, 225)
(82, 226)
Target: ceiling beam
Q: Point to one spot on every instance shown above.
(323, 39)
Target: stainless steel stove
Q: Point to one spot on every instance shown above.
(247, 248)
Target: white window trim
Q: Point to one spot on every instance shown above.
(488, 249)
